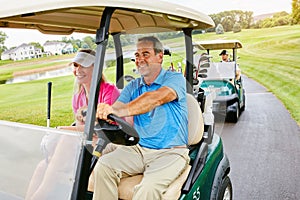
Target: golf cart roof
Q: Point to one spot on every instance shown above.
(68, 16)
(218, 44)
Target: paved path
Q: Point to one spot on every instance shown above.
(263, 148)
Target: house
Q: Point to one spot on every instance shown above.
(27, 51)
(6, 54)
(22, 52)
(58, 48)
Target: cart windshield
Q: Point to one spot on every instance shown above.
(220, 70)
(27, 153)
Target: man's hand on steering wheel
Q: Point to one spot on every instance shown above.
(103, 110)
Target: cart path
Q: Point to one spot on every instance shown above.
(263, 148)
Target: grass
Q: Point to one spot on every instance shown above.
(269, 56)
(27, 102)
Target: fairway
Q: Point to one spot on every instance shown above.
(269, 56)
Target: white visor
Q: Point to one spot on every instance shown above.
(84, 59)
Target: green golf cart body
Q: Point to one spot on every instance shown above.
(208, 176)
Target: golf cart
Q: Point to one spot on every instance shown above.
(224, 77)
(206, 178)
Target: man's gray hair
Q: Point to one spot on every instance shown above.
(157, 45)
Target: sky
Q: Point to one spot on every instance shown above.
(17, 37)
(257, 6)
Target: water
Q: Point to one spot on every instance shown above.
(41, 75)
(59, 72)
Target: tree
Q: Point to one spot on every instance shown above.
(37, 45)
(283, 20)
(267, 23)
(296, 12)
(229, 18)
(89, 42)
(278, 19)
(227, 23)
(76, 43)
(3, 37)
(247, 20)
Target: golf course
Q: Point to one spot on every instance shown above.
(269, 56)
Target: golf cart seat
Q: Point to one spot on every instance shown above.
(196, 129)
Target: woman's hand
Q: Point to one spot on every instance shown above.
(80, 116)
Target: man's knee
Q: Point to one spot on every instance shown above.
(99, 169)
(102, 171)
(147, 190)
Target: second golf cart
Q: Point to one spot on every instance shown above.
(224, 77)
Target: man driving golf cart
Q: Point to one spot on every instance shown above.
(225, 56)
(157, 101)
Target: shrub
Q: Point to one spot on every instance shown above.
(219, 29)
(236, 27)
(4, 77)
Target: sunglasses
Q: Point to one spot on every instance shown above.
(75, 65)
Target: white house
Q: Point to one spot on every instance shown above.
(6, 54)
(57, 48)
(22, 52)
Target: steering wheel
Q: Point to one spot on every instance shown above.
(119, 132)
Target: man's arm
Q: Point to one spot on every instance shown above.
(150, 100)
(144, 103)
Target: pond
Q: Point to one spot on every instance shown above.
(41, 75)
(60, 72)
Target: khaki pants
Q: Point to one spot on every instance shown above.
(159, 167)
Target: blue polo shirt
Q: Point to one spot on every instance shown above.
(165, 126)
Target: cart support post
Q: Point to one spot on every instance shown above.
(83, 168)
(189, 59)
(49, 103)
